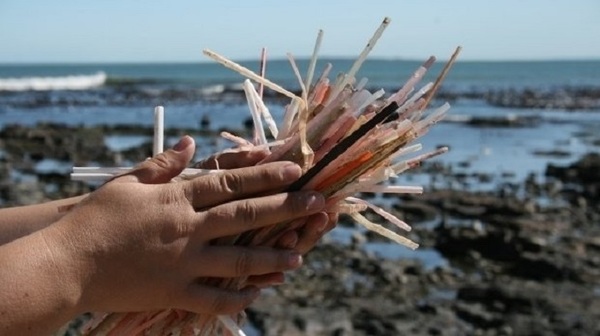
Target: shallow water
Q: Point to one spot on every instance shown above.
(430, 258)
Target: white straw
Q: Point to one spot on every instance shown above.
(383, 231)
(313, 61)
(231, 326)
(378, 94)
(248, 73)
(380, 211)
(105, 173)
(159, 131)
(392, 189)
(264, 111)
(406, 150)
(263, 69)
(361, 58)
(259, 132)
(298, 76)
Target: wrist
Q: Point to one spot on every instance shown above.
(64, 268)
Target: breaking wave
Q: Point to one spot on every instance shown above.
(72, 82)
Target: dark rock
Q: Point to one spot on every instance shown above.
(477, 315)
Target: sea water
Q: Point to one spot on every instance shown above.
(125, 94)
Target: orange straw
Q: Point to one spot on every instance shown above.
(344, 171)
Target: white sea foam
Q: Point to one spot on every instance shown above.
(73, 82)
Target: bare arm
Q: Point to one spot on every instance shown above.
(38, 296)
(20, 221)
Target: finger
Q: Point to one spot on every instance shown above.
(287, 240)
(239, 261)
(268, 238)
(244, 215)
(233, 159)
(203, 299)
(266, 280)
(310, 234)
(164, 166)
(333, 219)
(210, 190)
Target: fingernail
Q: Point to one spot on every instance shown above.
(315, 201)
(291, 171)
(182, 144)
(294, 259)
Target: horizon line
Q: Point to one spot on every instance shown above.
(279, 59)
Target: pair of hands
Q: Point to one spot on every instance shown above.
(139, 243)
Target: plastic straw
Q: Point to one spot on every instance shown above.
(159, 131)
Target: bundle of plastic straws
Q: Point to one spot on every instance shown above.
(348, 140)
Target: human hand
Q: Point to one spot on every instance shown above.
(133, 246)
(301, 239)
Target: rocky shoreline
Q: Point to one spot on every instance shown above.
(513, 264)
(568, 98)
(515, 268)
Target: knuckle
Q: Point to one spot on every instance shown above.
(161, 161)
(178, 228)
(171, 196)
(219, 215)
(249, 211)
(232, 183)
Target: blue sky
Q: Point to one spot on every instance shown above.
(162, 31)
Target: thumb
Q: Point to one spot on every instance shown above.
(164, 166)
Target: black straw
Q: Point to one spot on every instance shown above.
(343, 145)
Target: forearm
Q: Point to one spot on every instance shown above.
(38, 293)
(20, 221)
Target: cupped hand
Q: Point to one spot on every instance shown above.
(134, 246)
(301, 239)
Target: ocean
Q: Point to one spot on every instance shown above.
(555, 105)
